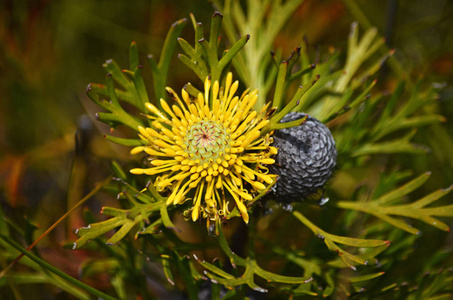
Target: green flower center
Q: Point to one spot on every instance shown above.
(206, 141)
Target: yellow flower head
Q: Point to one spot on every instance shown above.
(206, 151)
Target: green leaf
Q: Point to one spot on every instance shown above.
(290, 124)
(160, 70)
(401, 145)
(365, 277)
(302, 72)
(111, 67)
(214, 269)
(382, 209)
(403, 190)
(343, 106)
(198, 67)
(94, 90)
(166, 221)
(166, 264)
(193, 91)
(280, 86)
(390, 107)
(263, 25)
(368, 256)
(355, 242)
(205, 53)
(119, 172)
(133, 56)
(348, 258)
(134, 89)
(434, 196)
(132, 194)
(124, 142)
(330, 286)
(311, 267)
(216, 24)
(125, 219)
(116, 114)
(396, 119)
(140, 86)
(233, 51)
(358, 52)
(218, 275)
(398, 124)
(295, 101)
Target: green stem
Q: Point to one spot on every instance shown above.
(56, 271)
(316, 230)
(298, 122)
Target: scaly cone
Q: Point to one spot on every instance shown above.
(305, 160)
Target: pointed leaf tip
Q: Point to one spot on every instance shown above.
(179, 22)
(447, 189)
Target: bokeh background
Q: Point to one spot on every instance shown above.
(52, 150)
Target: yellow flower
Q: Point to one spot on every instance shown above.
(206, 151)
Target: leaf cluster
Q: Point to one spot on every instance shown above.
(348, 245)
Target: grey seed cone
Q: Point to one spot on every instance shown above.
(305, 161)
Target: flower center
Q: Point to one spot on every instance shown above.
(206, 141)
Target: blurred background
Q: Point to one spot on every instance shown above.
(52, 150)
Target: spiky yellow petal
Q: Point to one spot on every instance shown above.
(209, 149)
